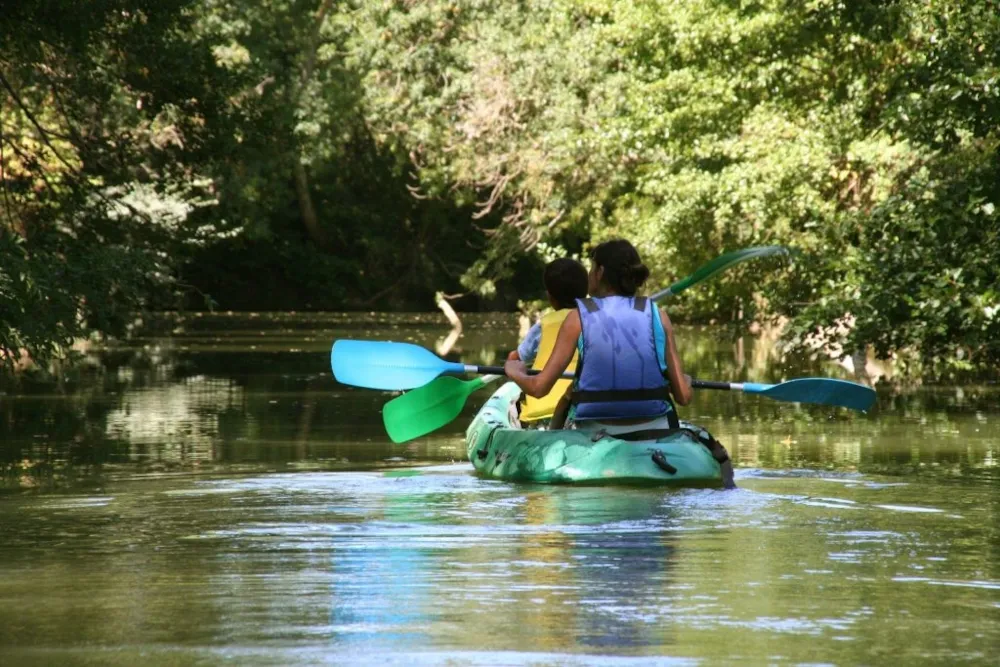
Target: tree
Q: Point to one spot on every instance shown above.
(100, 124)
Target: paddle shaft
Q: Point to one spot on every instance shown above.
(696, 384)
(498, 370)
(748, 387)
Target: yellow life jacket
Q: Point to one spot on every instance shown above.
(535, 409)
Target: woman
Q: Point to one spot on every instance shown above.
(629, 365)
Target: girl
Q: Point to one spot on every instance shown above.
(565, 281)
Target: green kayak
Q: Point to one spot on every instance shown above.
(679, 456)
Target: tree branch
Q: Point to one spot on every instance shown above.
(43, 133)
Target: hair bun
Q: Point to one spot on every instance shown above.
(640, 273)
(637, 274)
(624, 272)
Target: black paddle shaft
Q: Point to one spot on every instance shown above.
(498, 370)
(709, 384)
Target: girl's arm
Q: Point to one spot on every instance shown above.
(561, 412)
(541, 384)
(680, 384)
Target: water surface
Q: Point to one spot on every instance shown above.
(209, 495)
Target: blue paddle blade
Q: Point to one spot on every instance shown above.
(825, 391)
(385, 365)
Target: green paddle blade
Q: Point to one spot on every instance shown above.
(721, 263)
(428, 408)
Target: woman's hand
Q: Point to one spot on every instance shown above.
(515, 369)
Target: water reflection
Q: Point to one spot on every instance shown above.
(433, 563)
(205, 392)
(209, 495)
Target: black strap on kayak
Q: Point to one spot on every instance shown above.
(719, 452)
(715, 447)
(481, 454)
(654, 434)
(660, 459)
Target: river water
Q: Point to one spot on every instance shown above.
(208, 494)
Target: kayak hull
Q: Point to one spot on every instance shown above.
(574, 457)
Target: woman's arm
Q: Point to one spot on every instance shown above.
(541, 384)
(680, 384)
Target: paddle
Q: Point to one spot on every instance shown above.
(376, 364)
(406, 366)
(432, 406)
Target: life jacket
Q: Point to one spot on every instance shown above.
(622, 363)
(535, 409)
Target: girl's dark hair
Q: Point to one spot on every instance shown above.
(566, 281)
(624, 271)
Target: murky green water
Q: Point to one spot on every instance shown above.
(211, 496)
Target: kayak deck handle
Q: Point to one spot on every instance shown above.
(660, 459)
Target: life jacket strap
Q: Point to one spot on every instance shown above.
(616, 395)
(592, 307)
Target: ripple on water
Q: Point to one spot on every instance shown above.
(989, 585)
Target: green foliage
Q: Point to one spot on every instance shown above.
(911, 257)
(855, 132)
(98, 122)
(321, 154)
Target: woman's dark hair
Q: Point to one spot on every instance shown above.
(566, 281)
(624, 271)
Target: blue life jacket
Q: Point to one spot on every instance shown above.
(621, 374)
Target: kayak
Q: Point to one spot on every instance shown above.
(498, 448)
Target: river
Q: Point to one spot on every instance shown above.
(208, 494)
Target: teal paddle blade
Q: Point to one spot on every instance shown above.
(825, 391)
(386, 365)
(428, 408)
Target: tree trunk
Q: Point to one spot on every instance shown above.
(306, 208)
